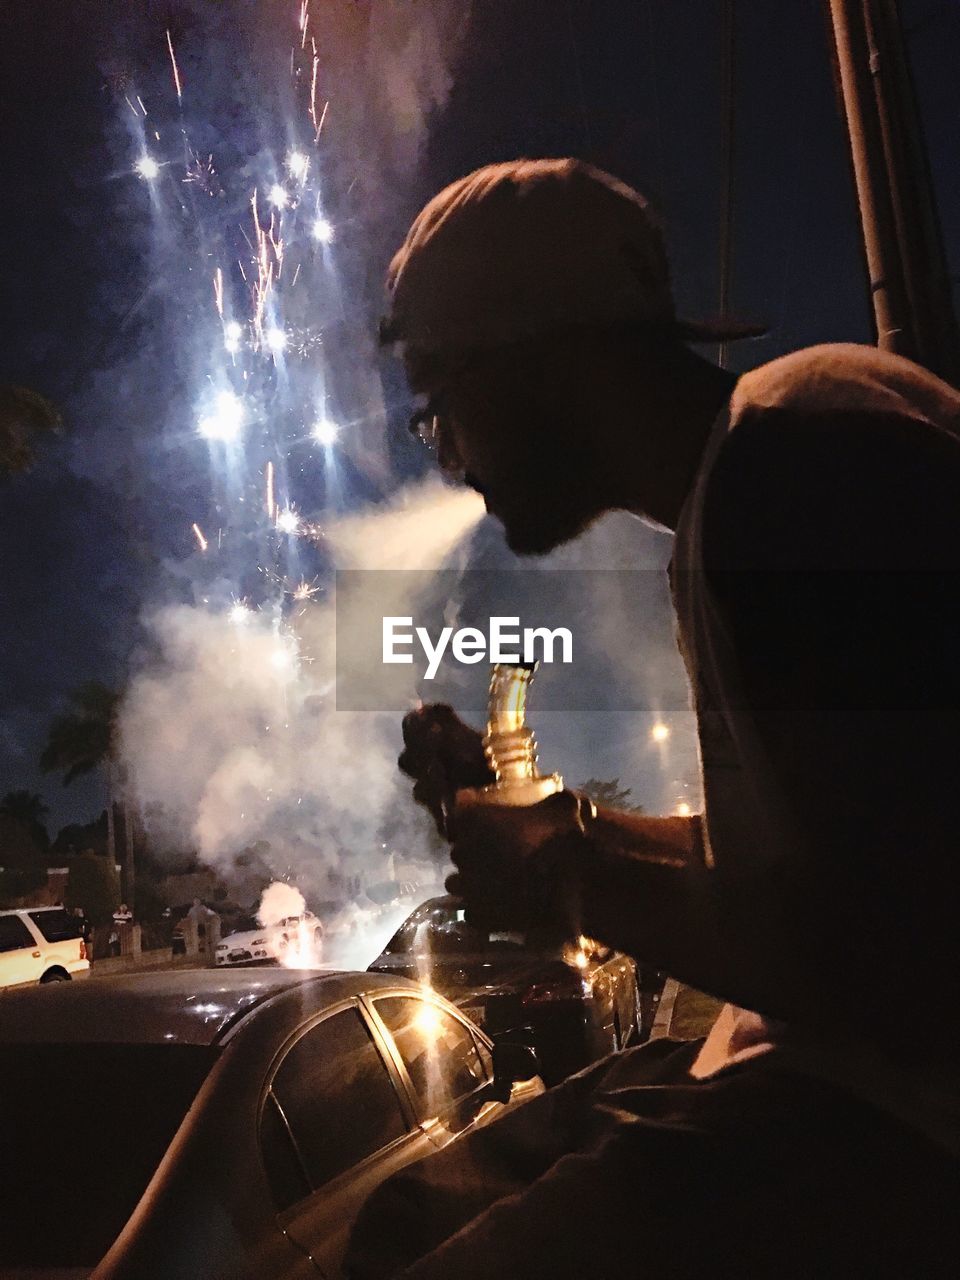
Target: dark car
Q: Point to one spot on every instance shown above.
(576, 1004)
(224, 1125)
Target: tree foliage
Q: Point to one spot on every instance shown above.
(609, 794)
(24, 416)
(27, 808)
(81, 835)
(83, 738)
(94, 885)
(23, 865)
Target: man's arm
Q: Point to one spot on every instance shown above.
(636, 883)
(647, 891)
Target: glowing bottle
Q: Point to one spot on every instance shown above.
(509, 743)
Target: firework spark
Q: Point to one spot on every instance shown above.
(198, 534)
(269, 252)
(147, 168)
(232, 333)
(218, 290)
(322, 230)
(202, 173)
(323, 116)
(313, 98)
(325, 432)
(298, 166)
(271, 502)
(276, 339)
(225, 420)
(176, 69)
(239, 613)
(305, 590)
(288, 521)
(285, 655)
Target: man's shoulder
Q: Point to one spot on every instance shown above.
(838, 380)
(836, 456)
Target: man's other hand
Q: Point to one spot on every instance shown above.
(442, 755)
(518, 867)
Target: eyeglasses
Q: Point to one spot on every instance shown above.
(431, 427)
(425, 424)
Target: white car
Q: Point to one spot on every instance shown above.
(40, 944)
(273, 943)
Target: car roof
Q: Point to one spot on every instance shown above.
(23, 911)
(446, 901)
(184, 1006)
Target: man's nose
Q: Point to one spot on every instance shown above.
(448, 457)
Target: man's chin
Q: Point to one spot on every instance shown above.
(525, 537)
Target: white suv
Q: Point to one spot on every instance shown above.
(40, 944)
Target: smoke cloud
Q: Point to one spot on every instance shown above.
(279, 901)
(231, 732)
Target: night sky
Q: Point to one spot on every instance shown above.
(101, 527)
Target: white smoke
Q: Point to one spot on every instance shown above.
(278, 902)
(232, 731)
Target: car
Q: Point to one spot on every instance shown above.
(226, 1124)
(268, 945)
(41, 944)
(575, 1004)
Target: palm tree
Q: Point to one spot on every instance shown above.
(24, 415)
(84, 739)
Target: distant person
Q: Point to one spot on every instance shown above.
(815, 507)
(121, 917)
(83, 924)
(205, 919)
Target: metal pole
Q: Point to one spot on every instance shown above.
(909, 284)
(727, 51)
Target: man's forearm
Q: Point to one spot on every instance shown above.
(645, 890)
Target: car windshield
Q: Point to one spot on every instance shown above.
(444, 930)
(84, 1127)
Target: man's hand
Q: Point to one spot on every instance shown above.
(518, 867)
(442, 755)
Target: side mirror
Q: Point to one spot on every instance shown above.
(511, 1062)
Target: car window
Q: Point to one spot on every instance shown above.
(337, 1098)
(14, 934)
(285, 1173)
(444, 931)
(486, 1058)
(438, 1050)
(56, 926)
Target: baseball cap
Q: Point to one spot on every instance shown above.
(515, 250)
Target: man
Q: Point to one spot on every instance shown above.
(816, 509)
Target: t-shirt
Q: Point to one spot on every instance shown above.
(815, 576)
(632, 1168)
